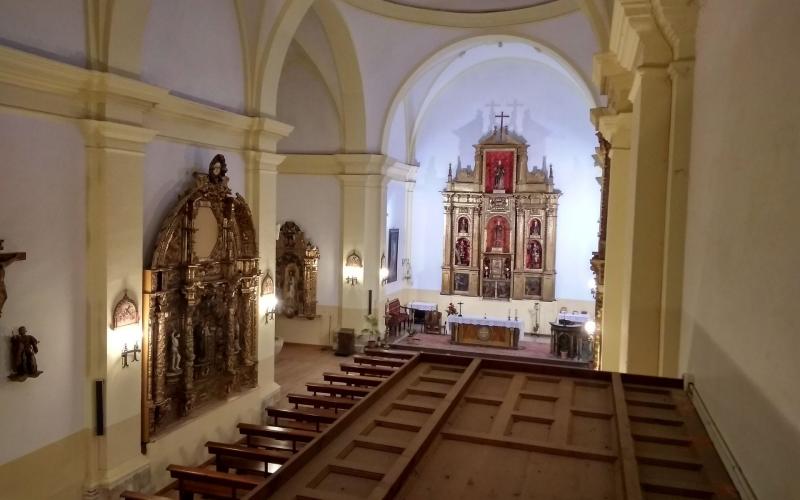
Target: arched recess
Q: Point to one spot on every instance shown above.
(115, 34)
(434, 61)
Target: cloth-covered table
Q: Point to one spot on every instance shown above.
(490, 332)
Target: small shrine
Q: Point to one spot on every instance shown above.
(500, 223)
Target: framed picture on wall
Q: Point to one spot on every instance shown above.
(394, 240)
(461, 282)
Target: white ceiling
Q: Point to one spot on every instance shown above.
(470, 5)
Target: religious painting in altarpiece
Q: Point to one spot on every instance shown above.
(500, 223)
(200, 304)
(297, 267)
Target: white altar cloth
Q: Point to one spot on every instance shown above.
(475, 320)
(578, 318)
(422, 306)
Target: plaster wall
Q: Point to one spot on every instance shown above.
(193, 47)
(396, 219)
(407, 46)
(51, 28)
(43, 213)
(305, 101)
(740, 285)
(168, 169)
(553, 119)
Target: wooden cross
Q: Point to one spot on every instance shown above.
(459, 307)
(502, 117)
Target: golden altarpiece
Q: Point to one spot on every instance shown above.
(297, 264)
(500, 224)
(200, 304)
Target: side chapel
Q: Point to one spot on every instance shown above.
(500, 223)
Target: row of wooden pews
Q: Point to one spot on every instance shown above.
(236, 468)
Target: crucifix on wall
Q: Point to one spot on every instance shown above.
(5, 260)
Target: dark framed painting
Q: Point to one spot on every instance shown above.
(533, 286)
(461, 282)
(394, 241)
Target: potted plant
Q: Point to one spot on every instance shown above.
(372, 331)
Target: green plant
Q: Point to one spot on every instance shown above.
(372, 329)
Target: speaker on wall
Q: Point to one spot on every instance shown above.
(99, 407)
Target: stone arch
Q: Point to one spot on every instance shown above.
(582, 81)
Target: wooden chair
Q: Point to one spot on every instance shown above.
(397, 316)
(433, 322)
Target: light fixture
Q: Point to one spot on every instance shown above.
(353, 268)
(384, 272)
(126, 314)
(269, 301)
(590, 327)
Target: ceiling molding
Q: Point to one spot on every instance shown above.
(422, 15)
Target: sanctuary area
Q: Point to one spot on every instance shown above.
(413, 249)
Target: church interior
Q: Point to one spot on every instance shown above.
(340, 249)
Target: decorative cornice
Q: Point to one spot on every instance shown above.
(33, 83)
(112, 135)
(421, 15)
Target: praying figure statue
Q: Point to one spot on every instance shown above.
(499, 175)
(23, 351)
(176, 357)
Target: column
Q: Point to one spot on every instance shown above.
(651, 97)
(115, 159)
(261, 194)
(681, 76)
(363, 230)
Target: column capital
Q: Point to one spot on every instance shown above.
(616, 129)
(265, 133)
(263, 161)
(118, 136)
(681, 70)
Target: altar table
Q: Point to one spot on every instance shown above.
(487, 332)
(425, 308)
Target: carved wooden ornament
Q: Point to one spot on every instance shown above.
(125, 312)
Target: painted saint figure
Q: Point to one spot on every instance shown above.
(536, 227)
(497, 242)
(462, 252)
(534, 255)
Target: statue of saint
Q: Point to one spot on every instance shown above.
(175, 365)
(462, 252)
(23, 351)
(536, 227)
(497, 242)
(463, 225)
(289, 299)
(217, 169)
(499, 175)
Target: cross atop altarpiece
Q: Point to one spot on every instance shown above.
(6, 259)
(502, 117)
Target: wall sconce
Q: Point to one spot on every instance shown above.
(353, 268)
(126, 314)
(269, 300)
(384, 271)
(406, 263)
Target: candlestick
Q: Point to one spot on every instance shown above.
(369, 302)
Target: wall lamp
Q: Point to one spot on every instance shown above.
(353, 268)
(269, 300)
(126, 314)
(384, 271)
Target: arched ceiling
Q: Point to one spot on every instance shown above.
(470, 5)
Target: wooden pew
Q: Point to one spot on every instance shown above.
(315, 416)
(375, 361)
(321, 401)
(337, 390)
(295, 436)
(210, 483)
(366, 369)
(389, 353)
(354, 380)
(244, 459)
(135, 495)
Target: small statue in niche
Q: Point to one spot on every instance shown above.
(499, 175)
(463, 225)
(498, 235)
(175, 366)
(486, 267)
(217, 169)
(536, 227)
(507, 268)
(23, 356)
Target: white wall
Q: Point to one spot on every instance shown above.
(396, 219)
(52, 28)
(554, 120)
(305, 102)
(43, 213)
(739, 337)
(168, 169)
(313, 202)
(193, 47)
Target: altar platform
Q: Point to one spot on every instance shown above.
(531, 349)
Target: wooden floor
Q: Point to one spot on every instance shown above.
(301, 363)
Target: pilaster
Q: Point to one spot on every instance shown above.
(364, 183)
(261, 179)
(115, 158)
